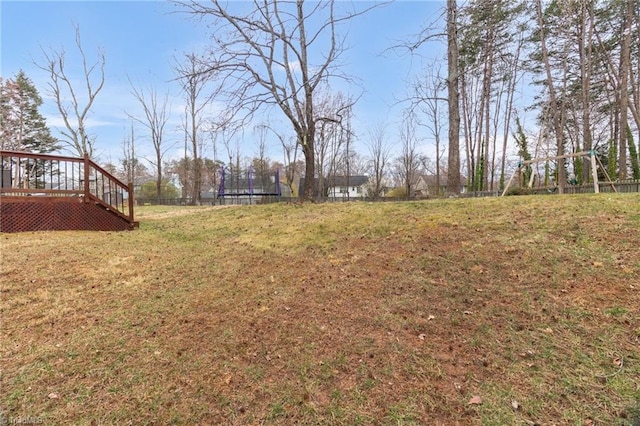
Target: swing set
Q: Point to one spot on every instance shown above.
(595, 162)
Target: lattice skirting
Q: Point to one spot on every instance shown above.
(20, 214)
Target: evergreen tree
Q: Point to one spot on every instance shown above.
(22, 127)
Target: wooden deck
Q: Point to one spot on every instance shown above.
(41, 192)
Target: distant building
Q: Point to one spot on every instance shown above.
(427, 185)
(340, 187)
(351, 187)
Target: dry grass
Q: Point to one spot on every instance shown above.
(331, 314)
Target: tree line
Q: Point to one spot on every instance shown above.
(572, 65)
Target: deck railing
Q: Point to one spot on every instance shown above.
(24, 174)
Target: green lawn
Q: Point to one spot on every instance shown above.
(497, 311)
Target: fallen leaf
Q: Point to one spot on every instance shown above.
(477, 269)
(475, 400)
(598, 264)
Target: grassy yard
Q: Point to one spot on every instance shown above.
(501, 311)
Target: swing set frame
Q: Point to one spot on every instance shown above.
(595, 161)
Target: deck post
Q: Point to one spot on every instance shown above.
(131, 202)
(87, 188)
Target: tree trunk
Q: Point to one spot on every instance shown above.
(509, 109)
(308, 192)
(468, 139)
(453, 177)
(585, 51)
(625, 60)
(486, 94)
(555, 109)
(197, 166)
(159, 177)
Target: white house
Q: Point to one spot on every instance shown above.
(347, 187)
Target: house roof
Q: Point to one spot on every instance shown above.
(347, 180)
(431, 179)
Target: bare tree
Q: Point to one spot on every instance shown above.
(409, 161)
(193, 81)
(556, 106)
(129, 160)
(290, 150)
(333, 146)
(73, 103)
(156, 115)
(453, 86)
(274, 53)
(350, 161)
(379, 157)
(358, 164)
(511, 77)
(260, 162)
(328, 144)
(426, 100)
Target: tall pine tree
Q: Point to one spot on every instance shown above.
(22, 127)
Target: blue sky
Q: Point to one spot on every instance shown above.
(141, 40)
